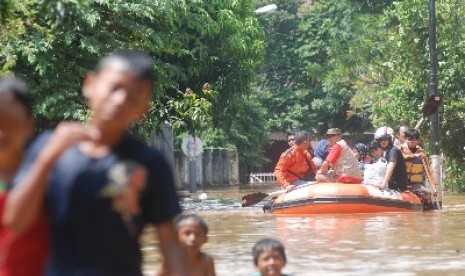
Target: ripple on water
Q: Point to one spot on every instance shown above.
(188, 204)
(431, 243)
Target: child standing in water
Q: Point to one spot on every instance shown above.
(23, 254)
(192, 234)
(269, 257)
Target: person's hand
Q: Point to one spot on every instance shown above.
(67, 134)
(382, 187)
(290, 187)
(420, 154)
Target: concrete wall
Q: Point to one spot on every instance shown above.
(214, 167)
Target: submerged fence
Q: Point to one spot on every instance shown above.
(262, 177)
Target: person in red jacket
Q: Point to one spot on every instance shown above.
(296, 163)
(20, 254)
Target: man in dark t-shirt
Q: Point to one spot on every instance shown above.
(396, 172)
(399, 176)
(99, 185)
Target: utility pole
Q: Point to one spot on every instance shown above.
(436, 160)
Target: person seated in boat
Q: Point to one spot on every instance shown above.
(396, 172)
(290, 139)
(193, 234)
(374, 173)
(399, 135)
(415, 156)
(341, 158)
(375, 150)
(321, 152)
(295, 165)
(269, 257)
(360, 152)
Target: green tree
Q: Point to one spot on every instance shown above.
(53, 44)
(304, 80)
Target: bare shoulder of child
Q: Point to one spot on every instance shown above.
(205, 266)
(192, 234)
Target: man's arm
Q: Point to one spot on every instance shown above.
(388, 175)
(310, 162)
(173, 255)
(25, 201)
(281, 169)
(333, 155)
(324, 167)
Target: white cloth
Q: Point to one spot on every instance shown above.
(374, 173)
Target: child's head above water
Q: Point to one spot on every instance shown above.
(192, 231)
(183, 219)
(269, 257)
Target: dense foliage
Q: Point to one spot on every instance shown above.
(301, 81)
(53, 44)
(405, 75)
(368, 57)
(354, 64)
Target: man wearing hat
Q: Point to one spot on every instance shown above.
(341, 159)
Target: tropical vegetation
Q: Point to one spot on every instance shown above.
(361, 64)
(232, 77)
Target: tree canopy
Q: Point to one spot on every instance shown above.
(301, 80)
(353, 64)
(361, 64)
(54, 44)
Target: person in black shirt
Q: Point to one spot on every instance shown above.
(396, 173)
(99, 185)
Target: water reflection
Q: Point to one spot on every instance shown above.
(355, 244)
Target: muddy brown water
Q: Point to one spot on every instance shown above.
(418, 243)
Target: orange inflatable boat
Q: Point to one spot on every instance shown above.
(331, 198)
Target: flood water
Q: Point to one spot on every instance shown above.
(417, 243)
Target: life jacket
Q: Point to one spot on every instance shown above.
(347, 164)
(413, 164)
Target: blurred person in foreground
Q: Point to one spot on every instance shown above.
(100, 185)
(26, 253)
